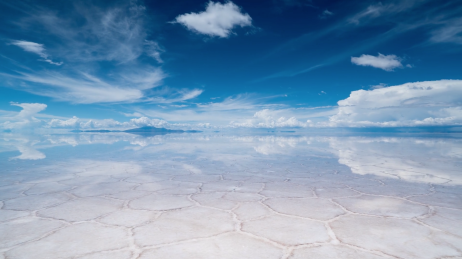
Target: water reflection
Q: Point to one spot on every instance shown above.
(410, 158)
(117, 195)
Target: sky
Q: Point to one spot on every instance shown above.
(230, 64)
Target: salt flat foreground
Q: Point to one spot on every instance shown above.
(198, 196)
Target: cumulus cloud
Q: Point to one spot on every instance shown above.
(428, 103)
(76, 123)
(268, 119)
(378, 156)
(385, 62)
(35, 48)
(217, 19)
(24, 118)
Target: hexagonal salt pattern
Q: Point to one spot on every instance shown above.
(304, 207)
(383, 206)
(333, 252)
(82, 209)
(227, 246)
(180, 225)
(398, 237)
(72, 241)
(287, 230)
(191, 200)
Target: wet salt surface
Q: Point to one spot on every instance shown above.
(212, 196)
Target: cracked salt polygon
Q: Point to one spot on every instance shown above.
(197, 178)
(214, 199)
(335, 192)
(160, 202)
(128, 217)
(102, 189)
(442, 199)
(398, 237)
(286, 190)
(242, 196)
(36, 202)
(82, 209)
(332, 252)
(48, 187)
(73, 240)
(147, 178)
(395, 188)
(128, 195)
(251, 210)
(179, 225)
(446, 220)
(382, 206)
(25, 229)
(228, 185)
(89, 180)
(12, 214)
(13, 191)
(108, 255)
(287, 230)
(227, 246)
(318, 209)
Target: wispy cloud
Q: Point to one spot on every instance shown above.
(108, 57)
(450, 33)
(385, 62)
(287, 73)
(217, 19)
(114, 33)
(326, 14)
(36, 48)
(82, 87)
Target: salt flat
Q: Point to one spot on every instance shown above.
(218, 196)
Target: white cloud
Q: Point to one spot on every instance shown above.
(177, 95)
(24, 118)
(82, 87)
(385, 62)
(89, 124)
(115, 35)
(29, 153)
(427, 103)
(91, 33)
(325, 14)
(423, 160)
(154, 50)
(268, 119)
(35, 48)
(76, 123)
(449, 33)
(217, 19)
(381, 85)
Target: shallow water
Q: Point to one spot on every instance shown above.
(230, 196)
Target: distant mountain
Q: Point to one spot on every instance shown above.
(100, 131)
(142, 131)
(153, 130)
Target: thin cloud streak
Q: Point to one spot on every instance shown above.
(36, 48)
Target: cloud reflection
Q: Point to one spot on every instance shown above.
(412, 159)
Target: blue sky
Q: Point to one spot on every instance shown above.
(196, 64)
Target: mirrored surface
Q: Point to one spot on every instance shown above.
(285, 195)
